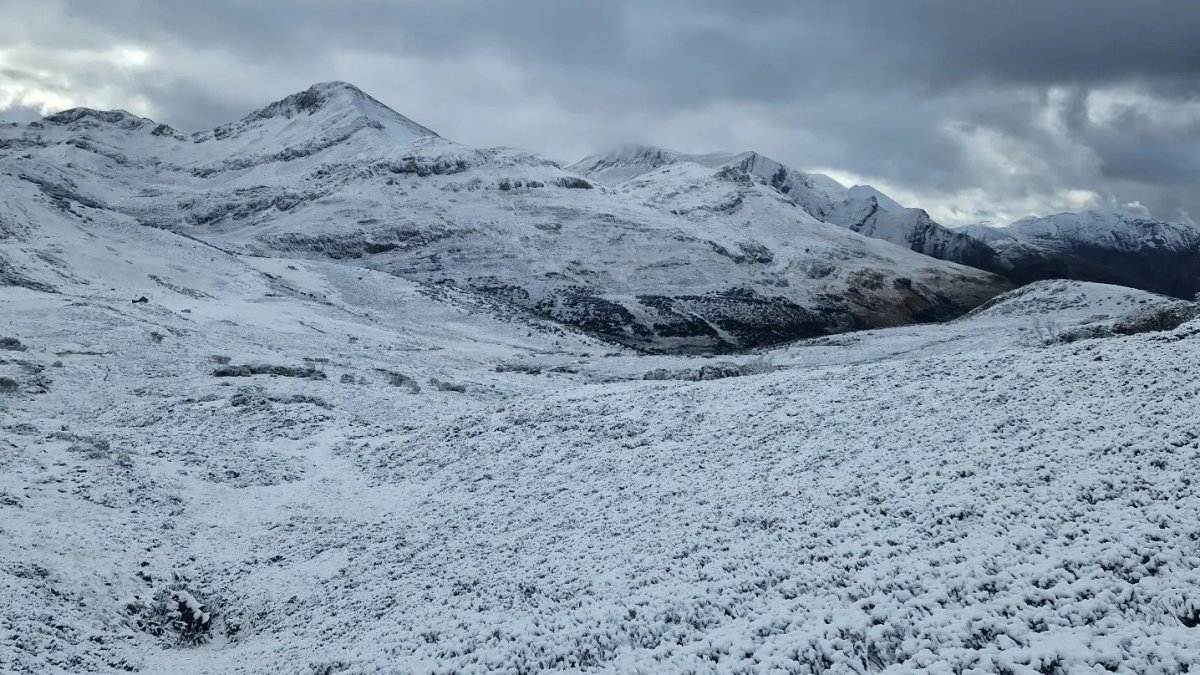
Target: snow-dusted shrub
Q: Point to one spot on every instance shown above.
(1149, 320)
(176, 614)
(713, 371)
(571, 182)
(268, 369)
(442, 385)
(92, 448)
(1157, 319)
(11, 344)
(757, 366)
(518, 368)
(401, 380)
(8, 385)
(1046, 332)
(258, 397)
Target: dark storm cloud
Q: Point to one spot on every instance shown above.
(974, 109)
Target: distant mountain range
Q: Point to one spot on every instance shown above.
(1091, 246)
(647, 247)
(1112, 248)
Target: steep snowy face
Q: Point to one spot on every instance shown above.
(861, 208)
(308, 122)
(330, 173)
(1094, 246)
(624, 163)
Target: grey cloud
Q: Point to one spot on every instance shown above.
(20, 114)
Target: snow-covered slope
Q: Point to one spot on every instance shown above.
(861, 208)
(284, 413)
(325, 115)
(330, 173)
(294, 465)
(1096, 246)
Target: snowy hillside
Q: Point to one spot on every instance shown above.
(1095, 246)
(861, 208)
(291, 465)
(332, 174)
(323, 392)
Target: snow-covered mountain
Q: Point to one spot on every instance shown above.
(860, 208)
(274, 403)
(1095, 246)
(332, 173)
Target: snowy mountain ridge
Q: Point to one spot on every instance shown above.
(860, 208)
(332, 173)
(1098, 246)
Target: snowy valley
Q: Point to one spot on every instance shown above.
(320, 391)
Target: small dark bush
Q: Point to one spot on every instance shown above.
(402, 380)
(12, 344)
(266, 369)
(571, 182)
(257, 397)
(518, 368)
(1157, 319)
(712, 371)
(441, 385)
(175, 614)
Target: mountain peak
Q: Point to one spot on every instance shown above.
(624, 162)
(628, 161)
(118, 118)
(329, 104)
(316, 97)
(865, 192)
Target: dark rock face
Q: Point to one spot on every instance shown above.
(915, 230)
(355, 244)
(1170, 272)
(1112, 248)
(748, 319)
(728, 321)
(938, 242)
(581, 308)
(9, 276)
(62, 191)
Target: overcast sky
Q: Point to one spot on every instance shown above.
(975, 110)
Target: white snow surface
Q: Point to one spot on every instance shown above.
(302, 465)
(943, 498)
